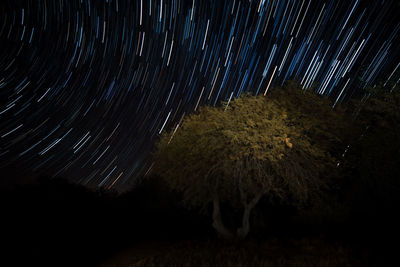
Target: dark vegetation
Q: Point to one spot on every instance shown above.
(353, 222)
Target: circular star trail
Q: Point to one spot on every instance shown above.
(87, 86)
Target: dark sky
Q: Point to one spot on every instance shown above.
(87, 86)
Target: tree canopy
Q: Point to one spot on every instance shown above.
(374, 159)
(286, 144)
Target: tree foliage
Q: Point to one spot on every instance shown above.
(284, 145)
(374, 159)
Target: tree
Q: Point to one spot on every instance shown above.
(285, 145)
(374, 159)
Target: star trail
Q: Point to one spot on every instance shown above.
(87, 86)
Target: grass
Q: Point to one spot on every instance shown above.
(274, 252)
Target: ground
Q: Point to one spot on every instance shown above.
(213, 252)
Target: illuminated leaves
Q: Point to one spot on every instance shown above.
(285, 143)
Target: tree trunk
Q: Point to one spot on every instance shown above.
(243, 231)
(217, 221)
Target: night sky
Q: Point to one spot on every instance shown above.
(87, 86)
